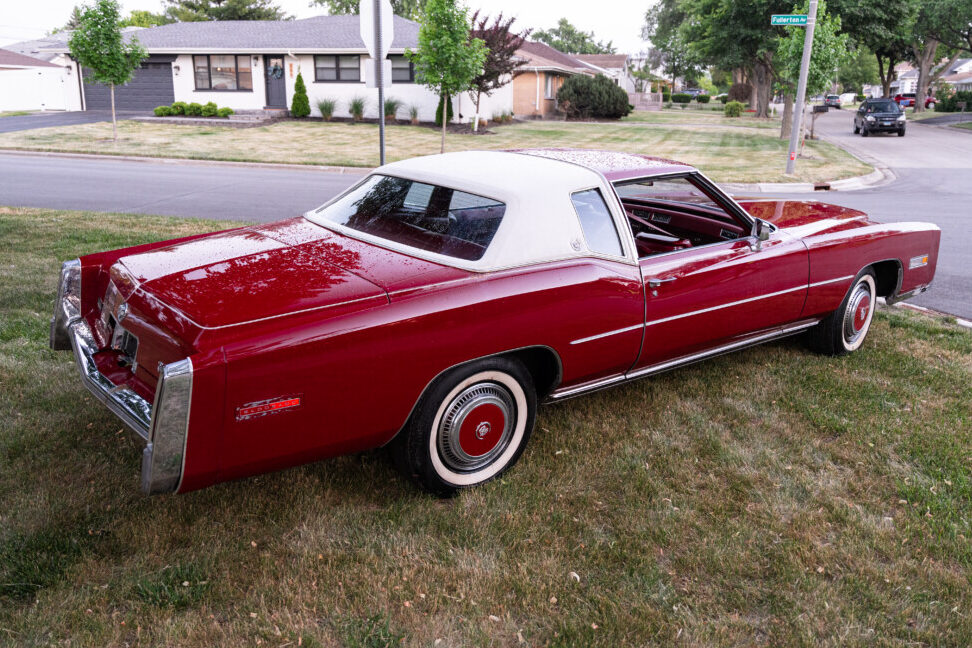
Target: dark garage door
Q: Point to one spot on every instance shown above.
(150, 87)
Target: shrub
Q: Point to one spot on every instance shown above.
(391, 108)
(209, 110)
(740, 92)
(326, 108)
(194, 109)
(950, 102)
(733, 109)
(179, 108)
(438, 111)
(724, 99)
(681, 98)
(666, 96)
(703, 99)
(300, 105)
(583, 97)
(860, 98)
(162, 111)
(224, 112)
(413, 114)
(357, 108)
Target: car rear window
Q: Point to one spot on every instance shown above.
(424, 216)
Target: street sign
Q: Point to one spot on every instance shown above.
(367, 26)
(789, 20)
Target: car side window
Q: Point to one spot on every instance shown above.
(596, 222)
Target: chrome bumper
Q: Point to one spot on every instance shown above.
(163, 424)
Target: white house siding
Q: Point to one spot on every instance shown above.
(408, 93)
(40, 88)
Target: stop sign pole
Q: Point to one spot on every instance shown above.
(801, 89)
(376, 27)
(379, 61)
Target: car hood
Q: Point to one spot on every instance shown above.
(243, 275)
(805, 217)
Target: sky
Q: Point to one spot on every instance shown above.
(615, 20)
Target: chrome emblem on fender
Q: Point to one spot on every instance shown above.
(482, 430)
(268, 406)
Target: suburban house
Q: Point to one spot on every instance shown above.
(542, 72)
(959, 75)
(252, 66)
(30, 83)
(613, 66)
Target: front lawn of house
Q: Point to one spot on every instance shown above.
(726, 153)
(769, 497)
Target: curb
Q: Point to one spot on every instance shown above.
(188, 161)
(928, 311)
(880, 176)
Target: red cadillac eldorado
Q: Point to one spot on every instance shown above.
(436, 302)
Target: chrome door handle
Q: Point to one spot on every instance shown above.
(654, 282)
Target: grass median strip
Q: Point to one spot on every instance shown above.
(769, 497)
(727, 154)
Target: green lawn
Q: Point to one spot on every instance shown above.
(14, 113)
(966, 125)
(768, 497)
(725, 152)
(709, 115)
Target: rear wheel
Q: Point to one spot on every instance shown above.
(471, 425)
(844, 330)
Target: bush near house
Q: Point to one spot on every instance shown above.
(179, 108)
(582, 97)
(300, 106)
(703, 98)
(194, 110)
(224, 112)
(733, 109)
(210, 109)
(666, 96)
(326, 107)
(681, 98)
(357, 108)
(163, 111)
(860, 98)
(949, 101)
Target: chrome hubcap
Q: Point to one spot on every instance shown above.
(476, 427)
(857, 315)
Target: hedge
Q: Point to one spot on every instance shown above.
(949, 102)
(681, 98)
(703, 98)
(181, 108)
(733, 109)
(582, 97)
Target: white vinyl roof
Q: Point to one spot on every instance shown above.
(540, 223)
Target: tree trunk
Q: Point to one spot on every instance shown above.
(479, 97)
(787, 124)
(114, 124)
(763, 77)
(445, 120)
(926, 58)
(886, 78)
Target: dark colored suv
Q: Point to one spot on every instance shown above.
(879, 115)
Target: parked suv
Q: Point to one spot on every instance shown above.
(879, 115)
(832, 101)
(907, 100)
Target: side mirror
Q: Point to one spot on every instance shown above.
(763, 230)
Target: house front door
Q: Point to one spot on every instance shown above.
(276, 81)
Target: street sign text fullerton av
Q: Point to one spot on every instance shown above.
(789, 20)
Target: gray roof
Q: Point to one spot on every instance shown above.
(318, 33)
(9, 57)
(38, 48)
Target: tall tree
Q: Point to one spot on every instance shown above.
(200, 10)
(828, 54)
(448, 58)
(663, 27)
(97, 44)
(501, 62)
(883, 27)
(411, 9)
(142, 18)
(859, 70)
(736, 34)
(568, 38)
(935, 37)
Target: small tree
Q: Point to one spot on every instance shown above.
(501, 46)
(300, 105)
(97, 44)
(447, 59)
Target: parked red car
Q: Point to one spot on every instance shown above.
(435, 303)
(907, 100)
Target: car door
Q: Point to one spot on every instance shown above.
(720, 294)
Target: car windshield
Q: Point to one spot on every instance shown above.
(424, 216)
(670, 190)
(883, 106)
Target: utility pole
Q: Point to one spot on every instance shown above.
(799, 108)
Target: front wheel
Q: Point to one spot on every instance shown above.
(901, 132)
(857, 129)
(470, 426)
(864, 132)
(844, 330)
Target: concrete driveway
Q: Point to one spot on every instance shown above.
(933, 166)
(51, 118)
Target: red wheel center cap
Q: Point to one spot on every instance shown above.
(481, 430)
(860, 316)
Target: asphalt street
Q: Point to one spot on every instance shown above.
(933, 169)
(933, 166)
(219, 192)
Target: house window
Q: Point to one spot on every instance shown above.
(403, 70)
(222, 72)
(330, 68)
(548, 88)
